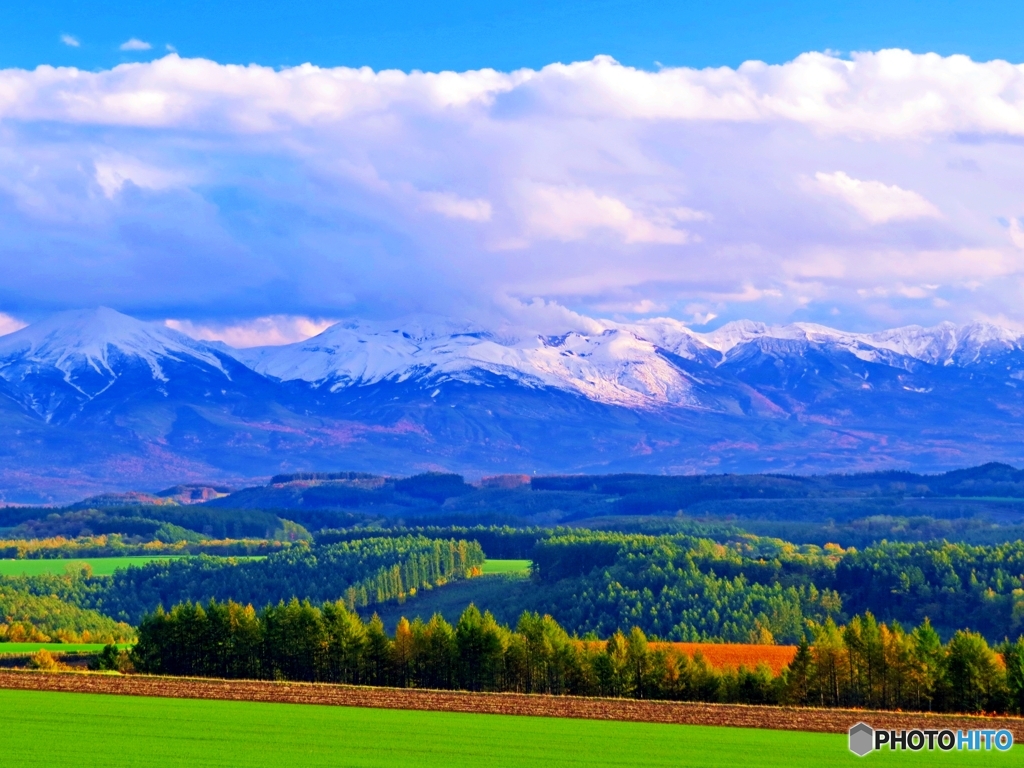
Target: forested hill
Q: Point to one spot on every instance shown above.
(981, 505)
(627, 494)
(727, 585)
(362, 573)
(855, 509)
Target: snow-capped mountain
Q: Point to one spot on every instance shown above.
(74, 357)
(96, 401)
(634, 364)
(615, 366)
(99, 340)
(943, 344)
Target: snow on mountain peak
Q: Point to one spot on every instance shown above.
(90, 339)
(635, 364)
(623, 363)
(616, 365)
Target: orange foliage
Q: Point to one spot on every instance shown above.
(722, 655)
(727, 655)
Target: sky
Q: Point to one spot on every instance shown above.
(254, 171)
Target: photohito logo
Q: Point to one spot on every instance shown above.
(865, 739)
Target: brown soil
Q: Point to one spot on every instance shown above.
(782, 718)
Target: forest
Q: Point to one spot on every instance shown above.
(726, 586)
(595, 582)
(979, 505)
(721, 584)
(363, 573)
(723, 587)
(864, 663)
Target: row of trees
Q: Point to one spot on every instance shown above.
(864, 663)
(299, 641)
(167, 522)
(116, 545)
(872, 664)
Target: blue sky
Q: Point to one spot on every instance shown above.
(867, 176)
(504, 35)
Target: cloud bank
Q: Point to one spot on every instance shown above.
(863, 192)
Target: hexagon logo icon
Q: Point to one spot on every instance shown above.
(862, 739)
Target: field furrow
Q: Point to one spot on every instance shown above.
(780, 718)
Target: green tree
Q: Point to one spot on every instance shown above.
(799, 675)
(971, 679)
(638, 663)
(1013, 657)
(377, 654)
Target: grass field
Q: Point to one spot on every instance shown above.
(507, 566)
(54, 647)
(101, 566)
(85, 730)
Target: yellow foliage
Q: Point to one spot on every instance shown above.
(44, 661)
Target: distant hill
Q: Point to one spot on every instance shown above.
(982, 504)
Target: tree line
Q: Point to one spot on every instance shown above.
(167, 523)
(116, 545)
(864, 663)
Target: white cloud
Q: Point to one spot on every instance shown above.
(307, 191)
(878, 203)
(10, 324)
(70, 41)
(574, 213)
(1017, 233)
(260, 332)
(455, 207)
(134, 44)
(114, 171)
(641, 307)
(891, 93)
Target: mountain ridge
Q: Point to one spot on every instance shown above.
(94, 401)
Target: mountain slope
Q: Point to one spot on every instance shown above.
(95, 401)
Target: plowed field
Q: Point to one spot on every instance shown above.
(780, 718)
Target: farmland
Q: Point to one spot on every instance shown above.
(507, 566)
(101, 566)
(21, 648)
(100, 730)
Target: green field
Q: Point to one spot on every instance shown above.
(507, 566)
(101, 566)
(6, 648)
(85, 730)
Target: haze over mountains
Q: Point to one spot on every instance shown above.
(94, 400)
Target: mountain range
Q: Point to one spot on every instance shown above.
(94, 401)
